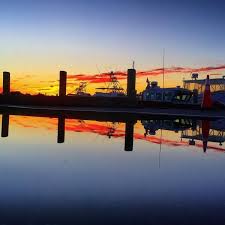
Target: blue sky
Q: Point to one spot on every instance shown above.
(41, 37)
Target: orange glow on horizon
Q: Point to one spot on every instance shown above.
(173, 77)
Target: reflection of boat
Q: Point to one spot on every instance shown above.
(214, 136)
(216, 132)
(201, 130)
(151, 126)
(155, 93)
(111, 129)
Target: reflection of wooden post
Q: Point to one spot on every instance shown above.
(61, 129)
(129, 136)
(5, 125)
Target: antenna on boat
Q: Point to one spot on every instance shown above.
(133, 64)
(99, 72)
(163, 93)
(163, 68)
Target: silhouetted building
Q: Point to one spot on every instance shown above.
(6, 83)
(61, 129)
(5, 125)
(62, 83)
(129, 136)
(131, 83)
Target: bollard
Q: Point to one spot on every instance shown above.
(131, 83)
(62, 83)
(6, 83)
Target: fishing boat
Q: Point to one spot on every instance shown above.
(113, 89)
(109, 94)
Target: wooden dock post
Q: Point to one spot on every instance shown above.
(6, 83)
(131, 84)
(62, 83)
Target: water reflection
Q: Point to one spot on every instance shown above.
(95, 172)
(192, 130)
(61, 129)
(129, 135)
(201, 130)
(151, 126)
(5, 125)
(216, 134)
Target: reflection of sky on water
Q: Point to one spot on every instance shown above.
(90, 168)
(171, 137)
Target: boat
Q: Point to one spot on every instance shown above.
(217, 87)
(153, 92)
(80, 90)
(113, 88)
(109, 94)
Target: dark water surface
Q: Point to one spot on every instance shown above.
(135, 172)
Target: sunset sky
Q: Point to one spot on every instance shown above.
(88, 37)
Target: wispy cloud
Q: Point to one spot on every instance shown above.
(120, 75)
(26, 84)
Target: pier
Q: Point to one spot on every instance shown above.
(117, 107)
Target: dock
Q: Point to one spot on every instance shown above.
(113, 113)
(114, 108)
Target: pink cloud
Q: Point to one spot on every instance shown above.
(104, 77)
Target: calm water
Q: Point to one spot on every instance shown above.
(138, 172)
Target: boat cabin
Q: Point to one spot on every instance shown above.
(155, 93)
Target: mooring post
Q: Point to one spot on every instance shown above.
(62, 83)
(5, 125)
(131, 84)
(6, 83)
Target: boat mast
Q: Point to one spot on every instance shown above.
(163, 69)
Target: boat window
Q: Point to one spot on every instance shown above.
(147, 96)
(152, 96)
(184, 97)
(168, 96)
(159, 96)
(178, 97)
